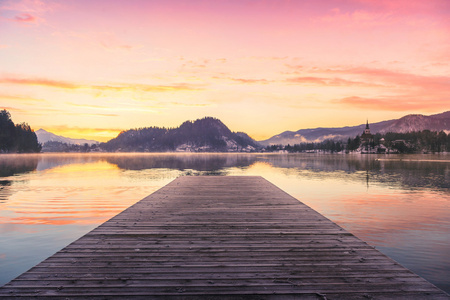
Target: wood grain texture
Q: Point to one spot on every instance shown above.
(214, 237)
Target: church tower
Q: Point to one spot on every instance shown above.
(367, 130)
(367, 137)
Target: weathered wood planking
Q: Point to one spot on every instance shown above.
(219, 238)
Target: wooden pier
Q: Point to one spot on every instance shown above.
(211, 237)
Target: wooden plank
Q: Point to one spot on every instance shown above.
(219, 238)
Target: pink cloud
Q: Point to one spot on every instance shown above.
(112, 42)
(375, 77)
(386, 18)
(250, 81)
(430, 83)
(406, 91)
(406, 6)
(29, 6)
(27, 12)
(243, 80)
(360, 17)
(198, 63)
(26, 18)
(395, 103)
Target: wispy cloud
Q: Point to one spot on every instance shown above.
(166, 88)
(38, 81)
(395, 103)
(390, 90)
(92, 107)
(87, 105)
(244, 80)
(10, 108)
(116, 87)
(44, 111)
(20, 98)
(358, 17)
(385, 13)
(26, 12)
(405, 84)
(250, 81)
(110, 41)
(375, 77)
(33, 6)
(97, 115)
(25, 18)
(124, 107)
(405, 6)
(324, 81)
(269, 58)
(144, 87)
(187, 104)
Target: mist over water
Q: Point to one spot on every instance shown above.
(398, 204)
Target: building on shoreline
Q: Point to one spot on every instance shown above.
(367, 140)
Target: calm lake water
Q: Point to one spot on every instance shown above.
(398, 204)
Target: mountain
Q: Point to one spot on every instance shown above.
(45, 136)
(203, 135)
(407, 123)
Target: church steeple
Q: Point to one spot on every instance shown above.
(367, 138)
(367, 130)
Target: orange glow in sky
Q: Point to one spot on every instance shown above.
(91, 68)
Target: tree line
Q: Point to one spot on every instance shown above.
(326, 146)
(421, 141)
(53, 146)
(16, 138)
(410, 142)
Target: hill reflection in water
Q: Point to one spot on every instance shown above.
(210, 162)
(399, 204)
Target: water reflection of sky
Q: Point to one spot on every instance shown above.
(400, 206)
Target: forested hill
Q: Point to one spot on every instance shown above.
(409, 123)
(203, 135)
(16, 138)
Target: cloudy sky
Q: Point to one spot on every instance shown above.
(91, 68)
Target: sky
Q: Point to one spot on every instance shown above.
(92, 68)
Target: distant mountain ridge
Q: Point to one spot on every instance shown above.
(45, 136)
(203, 135)
(407, 123)
(211, 135)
